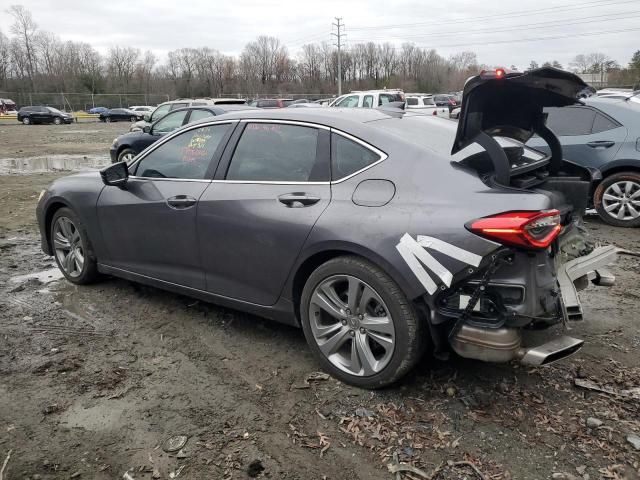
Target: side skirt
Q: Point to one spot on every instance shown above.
(282, 311)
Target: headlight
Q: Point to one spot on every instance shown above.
(115, 142)
(42, 194)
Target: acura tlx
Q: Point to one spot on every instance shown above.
(383, 233)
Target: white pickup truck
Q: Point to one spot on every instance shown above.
(425, 104)
(368, 98)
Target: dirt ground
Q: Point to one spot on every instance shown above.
(94, 380)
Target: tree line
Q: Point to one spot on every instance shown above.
(35, 60)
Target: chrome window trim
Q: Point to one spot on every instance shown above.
(286, 122)
(154, 179)
(270, 182)
(142, 155)
(383, 156)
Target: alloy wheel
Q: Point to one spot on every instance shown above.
(621, 200)
(351, 325)
(127, 157)
(68, 246)
(26, 120)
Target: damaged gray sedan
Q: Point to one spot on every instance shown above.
(382, 233)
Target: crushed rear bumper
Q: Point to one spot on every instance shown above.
(576, 274)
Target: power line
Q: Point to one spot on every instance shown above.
(520, 13)
(532, 39)
(525, 26)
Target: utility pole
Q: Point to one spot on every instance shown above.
(339, 36)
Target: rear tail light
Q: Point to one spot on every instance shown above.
(531, 229)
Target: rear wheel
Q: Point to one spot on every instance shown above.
(133, 119)
(107, 119)
(57, 120)
(72, 248)
(359, 324)
(617, 199)
(26, 121)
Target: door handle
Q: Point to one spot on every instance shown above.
(180, 202)
(297, 200)
(601, 144)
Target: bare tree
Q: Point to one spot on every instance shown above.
(122, 63)
(25, 28)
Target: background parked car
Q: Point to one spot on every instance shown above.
(272, 102)
(368, 98)
(142, 109)
(127, 146)
(166, 107)
(98, 110)
(425, 104)
(121, 115)
(41, 114)
(449, 101)
(603, 135)
(7, 107)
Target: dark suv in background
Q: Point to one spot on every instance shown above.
(603, 135)
(41, 114)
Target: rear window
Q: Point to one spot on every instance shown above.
(348, 157)
(570, 121)
(412, 101)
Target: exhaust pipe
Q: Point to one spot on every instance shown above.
(499, 345)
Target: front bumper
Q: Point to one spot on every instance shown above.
(113, 153)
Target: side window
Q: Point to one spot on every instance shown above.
(412, 101)
(349, 102)
(603, 123)
(428, 101)
(185, 156)
(348, 157)
(367, 102)
(275, 152)
(385, 98)
(170, 122)
(567, 121)
(160, 112)
(199, 115)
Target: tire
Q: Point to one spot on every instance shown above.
(133, 119)
(407, 334)
(617, 199)
(57, 120)
(124, 153)
(107, 119)
(26, 121)
(68, 232)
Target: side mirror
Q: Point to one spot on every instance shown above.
(146, 129)
(115, 175)
(147, 117)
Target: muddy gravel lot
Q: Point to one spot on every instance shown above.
(110, 380)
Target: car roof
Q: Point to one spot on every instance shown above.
(621, 109)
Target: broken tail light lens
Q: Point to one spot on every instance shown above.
(530, 229)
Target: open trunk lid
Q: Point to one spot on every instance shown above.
(499, 107)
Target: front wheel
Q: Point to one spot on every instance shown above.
(359, 324)
(57, 120)
(617, 199)
(72, 248)
(26, 121)
(107, 119)
(133, 119)
(126, 155)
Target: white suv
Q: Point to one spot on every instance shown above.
(426, 104)
(368, 99)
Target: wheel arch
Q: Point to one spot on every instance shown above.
(619, 166)
(312, 259)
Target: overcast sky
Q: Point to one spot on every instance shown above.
(495, 30)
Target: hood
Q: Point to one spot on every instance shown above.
(512, 104)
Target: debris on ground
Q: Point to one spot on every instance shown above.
(175, 443)
(634, 440)
(594, 422)
(633, 393)
(255, 468)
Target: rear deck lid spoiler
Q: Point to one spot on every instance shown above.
(511, 104)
